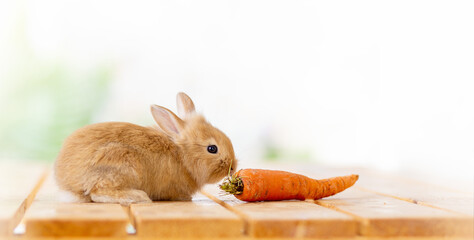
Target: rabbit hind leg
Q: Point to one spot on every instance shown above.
(115, 176)
(112, 184)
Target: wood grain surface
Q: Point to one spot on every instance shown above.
(389, 217)
(19, 183)
(379, 206)
(287, 218)
(382, 205)
(198, 218)
(49, 217)
(421, 191)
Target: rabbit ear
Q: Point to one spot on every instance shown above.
(185, 105)
(169, 123)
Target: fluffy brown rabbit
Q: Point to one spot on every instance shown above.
(124, 163)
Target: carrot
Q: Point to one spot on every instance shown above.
(271, 185)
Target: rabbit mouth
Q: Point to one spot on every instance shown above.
(222, 170)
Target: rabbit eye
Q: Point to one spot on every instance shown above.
(212, 149)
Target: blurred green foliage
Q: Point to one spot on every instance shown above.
(274, 153)
(46, 102)
(42, 100)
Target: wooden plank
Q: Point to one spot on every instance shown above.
(198, 218)
(48, 217)
(399, 206)
(418, 192)
(294, 219)
(287, 218)
(75, 219)
(383, 216)
(10, 215)
(19, 183)
(401, 187)
(390, 215)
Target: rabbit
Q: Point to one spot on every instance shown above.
(118, 162)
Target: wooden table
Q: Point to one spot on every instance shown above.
(378, 206)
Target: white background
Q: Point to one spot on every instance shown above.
(381, 84)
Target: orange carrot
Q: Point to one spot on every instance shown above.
(270, 185)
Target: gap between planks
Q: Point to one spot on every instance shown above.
(411, 200)
(365, 225)
(20, 210)
(423, 193)
(241, 215)
(360, 220)
(48, 216)
(377, 216)
(445, 222)
(36, 188)
(199, 218)
(287, 219)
